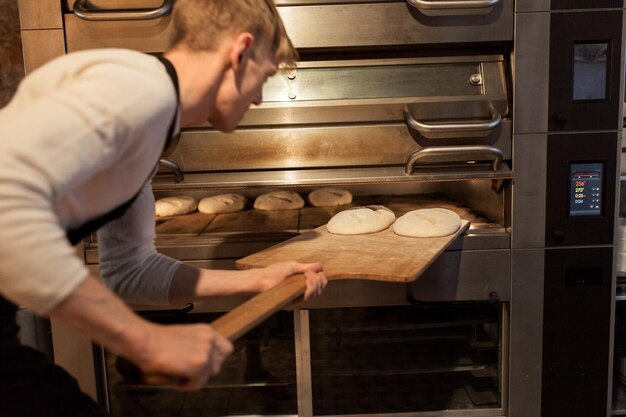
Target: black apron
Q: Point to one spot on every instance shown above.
(30, 386)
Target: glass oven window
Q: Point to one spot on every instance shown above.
(590, 69)
(405, 359)
(258, 379)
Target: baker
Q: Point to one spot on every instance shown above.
(79, 143)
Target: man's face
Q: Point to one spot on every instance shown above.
(241, 88)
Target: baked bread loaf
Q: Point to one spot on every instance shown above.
(329, 197)
(222, 203)
(175, 206)
(279, 200)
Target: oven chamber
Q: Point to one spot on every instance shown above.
(460, 105)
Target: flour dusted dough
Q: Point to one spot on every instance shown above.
(328, 197)
(361, 220)
(175, 206)
(432, 222)
(222, 203)
(279, 200)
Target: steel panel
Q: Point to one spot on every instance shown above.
(529, 191)
(530, 99)
(354, 26)
(532, 6)
(585, 4)
(577, 314)
(151, 36)
(375, 81)
(466, 276)
(315, 147)
(526, 333)
(315, 26)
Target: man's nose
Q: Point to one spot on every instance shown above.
(258, 99)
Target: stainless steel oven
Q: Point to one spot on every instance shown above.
(508, 113)
(618, 384)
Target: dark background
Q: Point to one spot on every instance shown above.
(11, 61)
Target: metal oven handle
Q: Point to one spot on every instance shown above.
(81, 9)
(453, 4)
(456, 154)
(449, 130)
(179, 176)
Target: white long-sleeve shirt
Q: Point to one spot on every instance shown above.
(81, 137)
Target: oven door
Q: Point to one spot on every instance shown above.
(429, 357)
(424, 359)
(144, 24)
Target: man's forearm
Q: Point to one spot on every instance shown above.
(188, 353)
(191, 284)
(93, 310)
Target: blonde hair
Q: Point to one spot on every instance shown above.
(200, 24)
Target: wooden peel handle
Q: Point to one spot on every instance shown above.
(253, 312)
(232, 325)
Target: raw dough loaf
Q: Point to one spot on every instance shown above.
(175, 206)
(431, 222)
(328, 197)
(279, 200)
(222, 203)
(361, 220)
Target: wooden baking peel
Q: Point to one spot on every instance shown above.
(382, 256)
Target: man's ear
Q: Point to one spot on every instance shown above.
(241, 50)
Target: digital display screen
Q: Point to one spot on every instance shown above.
(585, 194)
(590, 68)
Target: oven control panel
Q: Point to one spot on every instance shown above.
(580, 197)
(585, 190)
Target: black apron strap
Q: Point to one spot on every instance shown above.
(77, 234)
(8, 323)
(171, 71)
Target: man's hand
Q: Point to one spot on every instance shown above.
(271, 275)
(190, 354)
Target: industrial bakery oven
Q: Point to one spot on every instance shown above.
(507, 113)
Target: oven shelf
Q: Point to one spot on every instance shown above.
(326, 177)
(152, 388)
(477, 368)
(199, 236)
